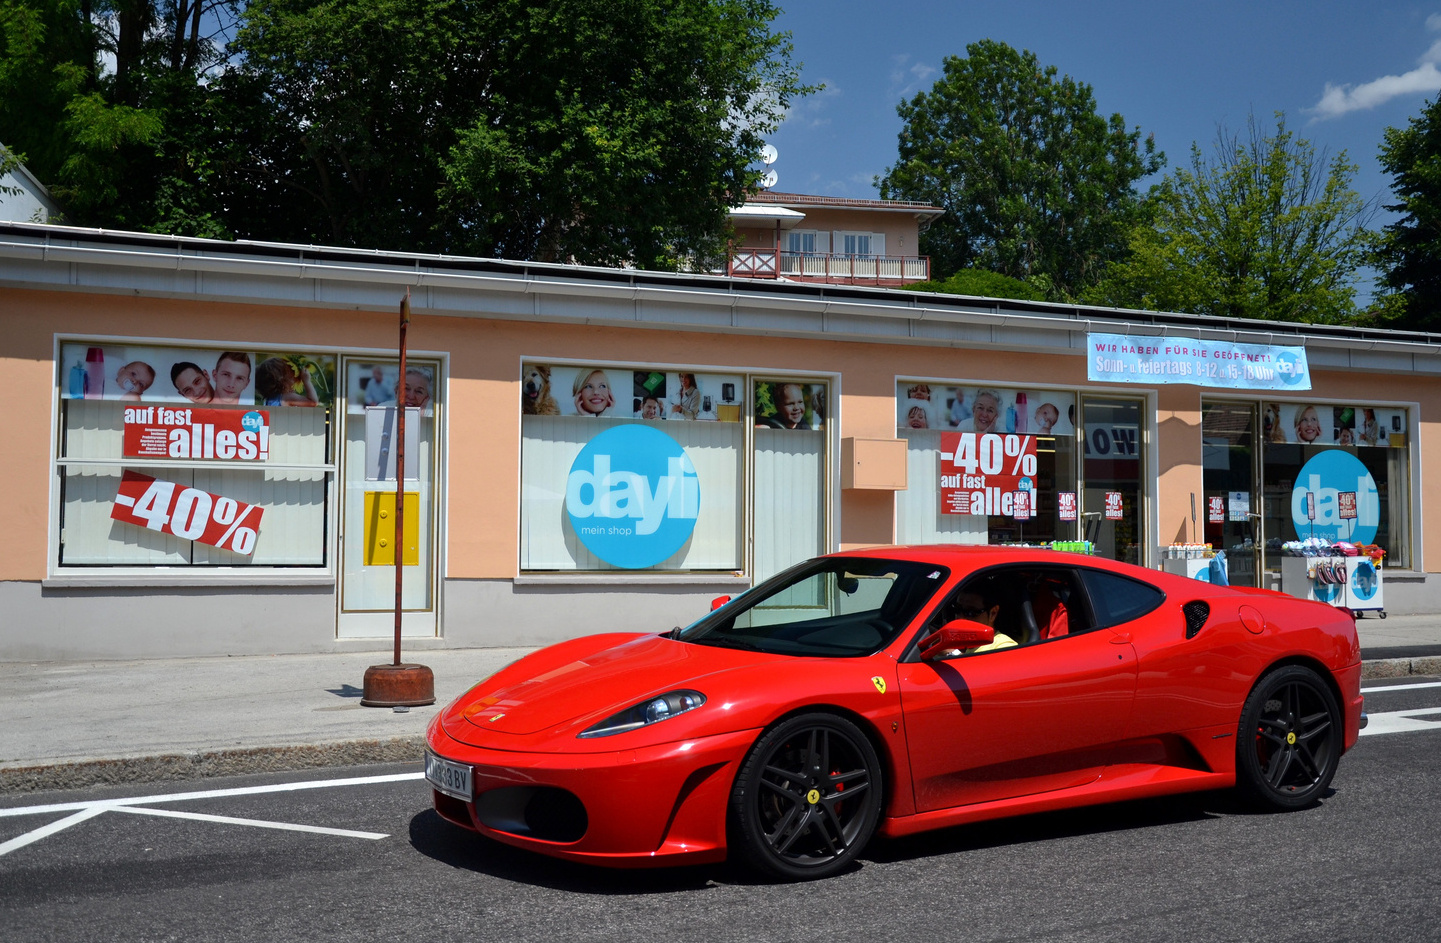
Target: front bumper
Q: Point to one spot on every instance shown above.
(662, 805)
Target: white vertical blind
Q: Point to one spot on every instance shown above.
(789, 498)
(918, 509)
(89, 536)
(550, 444)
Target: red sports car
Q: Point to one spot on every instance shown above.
(899, 689)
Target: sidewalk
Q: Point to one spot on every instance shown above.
(69, 725)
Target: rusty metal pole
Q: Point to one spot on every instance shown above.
(401, 402)
(398, 685)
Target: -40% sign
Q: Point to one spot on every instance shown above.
(189, 513)
(993, 454)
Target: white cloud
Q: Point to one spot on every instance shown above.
(809, 112)
(907, 76)
(1338, 100)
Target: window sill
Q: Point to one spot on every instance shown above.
(131, 580)
(728, 580)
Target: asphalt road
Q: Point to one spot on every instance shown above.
(376, 863)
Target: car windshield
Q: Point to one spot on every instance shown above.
(833, 606)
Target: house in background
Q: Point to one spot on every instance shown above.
(796, 237)
(23, 199)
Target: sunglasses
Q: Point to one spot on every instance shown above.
(971, 613)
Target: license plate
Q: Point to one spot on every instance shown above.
(453, 779)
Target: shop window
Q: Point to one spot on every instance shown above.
(986, 464)
(1336, 472)
(634, 468)
(1113, 499)
(193, 458)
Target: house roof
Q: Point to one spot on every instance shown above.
(922, 211)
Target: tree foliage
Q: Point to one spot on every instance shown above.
(1033, 180)
(981, 283)
(1409, 249)
(546, 129)
(1267, 228)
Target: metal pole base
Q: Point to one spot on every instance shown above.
(398, 686)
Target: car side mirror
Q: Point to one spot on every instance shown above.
(956, 634)
(719, 601)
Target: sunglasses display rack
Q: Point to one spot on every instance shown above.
(1348, 582)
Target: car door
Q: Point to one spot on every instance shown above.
(1039, 716)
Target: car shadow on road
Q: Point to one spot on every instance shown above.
(1068, 823)
(449, 844)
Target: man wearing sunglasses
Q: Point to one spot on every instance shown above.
(978, 604)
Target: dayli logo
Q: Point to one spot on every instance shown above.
(632, 496)
(1347, 505)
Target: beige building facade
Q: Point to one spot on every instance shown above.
(200, 441)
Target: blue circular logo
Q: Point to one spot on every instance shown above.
(251, 421)
(1326, 592)
(1364, 581)
(632, 496)
(1291, 370)
(1335, 476)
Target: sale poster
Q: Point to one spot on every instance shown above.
(981, 473)
(1215, 509)
(1114, 506)
(191, 433)
(1066, 505)
(188, 513)
(1346, 505)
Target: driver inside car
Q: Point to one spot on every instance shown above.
(978, 605)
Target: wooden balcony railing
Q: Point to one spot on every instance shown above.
(828, 266)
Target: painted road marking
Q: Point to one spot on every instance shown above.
(1403, 687)
(88, 810)
(1402, 721)
(257, 823)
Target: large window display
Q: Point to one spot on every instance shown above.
(193, 458)
(987, 464)
(1336, 472)
(635, 468)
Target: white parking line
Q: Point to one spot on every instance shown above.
(88, 810)
(1403, 687)
(1401, 721)
(257, 823)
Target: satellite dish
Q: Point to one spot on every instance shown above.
(769, 155)
(769, 180)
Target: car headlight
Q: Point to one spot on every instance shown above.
(647, 712)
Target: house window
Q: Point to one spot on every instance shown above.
(804, 240)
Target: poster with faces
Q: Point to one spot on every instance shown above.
(924, 405)
(790, 404)
(205, 377)
(1335, 425)
(610, 392)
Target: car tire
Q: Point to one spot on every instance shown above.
(807, 798)
(1289, 741)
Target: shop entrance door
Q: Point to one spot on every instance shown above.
(1230, 507)
(367, 532)
(1112, 499)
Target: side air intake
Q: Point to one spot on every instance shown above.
(1197, 612)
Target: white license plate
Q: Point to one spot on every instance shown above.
(453, 779)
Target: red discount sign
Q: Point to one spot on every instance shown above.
(1215, 510)
(187, 512)
(172, 432)
(982, 472)
(1114, 508)
(1066, 505)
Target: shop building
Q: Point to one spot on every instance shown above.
(202, 439)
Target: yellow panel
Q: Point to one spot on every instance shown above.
(380, 528)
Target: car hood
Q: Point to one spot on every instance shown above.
(554, 692)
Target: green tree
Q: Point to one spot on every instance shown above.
(121, 146)
(558, 130)
(1033, 180)
(1267, 228)
(1409, 249)
(983, 284)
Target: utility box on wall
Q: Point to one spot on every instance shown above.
(873, 464)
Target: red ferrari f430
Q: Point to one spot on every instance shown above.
(899, 690)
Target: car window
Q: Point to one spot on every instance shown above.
(1025, 605)
(1119, 598)
(830, 606)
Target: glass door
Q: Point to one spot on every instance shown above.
(1230, 504)
(368, 548)
(1113, 499)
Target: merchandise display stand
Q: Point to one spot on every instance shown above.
(1353, 583)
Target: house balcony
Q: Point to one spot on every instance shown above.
(835, 268)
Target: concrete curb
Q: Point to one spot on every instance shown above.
(208, 764)
(1399, 667)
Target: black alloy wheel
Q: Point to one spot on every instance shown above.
(807, 798)
(1289, 742)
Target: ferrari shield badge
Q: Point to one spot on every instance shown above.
(880, 683)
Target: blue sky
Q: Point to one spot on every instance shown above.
(1342, 72)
